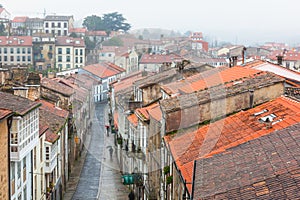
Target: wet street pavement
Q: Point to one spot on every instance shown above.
(100, 177)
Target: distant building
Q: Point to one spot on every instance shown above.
(70, 53)
(58, 25)
(18, 25)
(16, 50)
(34, 25)
(43, 51)
(198, 43)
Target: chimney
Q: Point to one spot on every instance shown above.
(234, 60)
(244, 55)
(279, 60)
(251, 98)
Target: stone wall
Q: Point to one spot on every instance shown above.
(183, 118)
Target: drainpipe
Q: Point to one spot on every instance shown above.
(9, 123)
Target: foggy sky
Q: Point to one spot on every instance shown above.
(244, 22)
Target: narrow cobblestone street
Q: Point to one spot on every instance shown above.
(100, 177)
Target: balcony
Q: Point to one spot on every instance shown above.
(50, 165)
(19, 151)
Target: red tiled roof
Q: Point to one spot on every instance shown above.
(16, 41)
(173, 87)
(20, 19)
(234, 130)
(263, 168)
(42, 128)
(78, 30)
(143, 113)
(127, 82)
(224, 77)
(133, 119)
(19, 105)
(55, 86)
(104, 69)
(69, 41)
(276, 69)
(96, 33)
(159, 59)
(51, 137)
(53, 109)
(156, 113)
(4, 113)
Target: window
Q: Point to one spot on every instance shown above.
(29, 50)
(11, 50)
(76, 59)
(0, 50)
(47, 31)
(19, 170)
(5, 50)
(58, 24)
(29, 58)
(68, 58)
(18, 58)
(68, 50)
(23, 50)
(47, 25)
(65, 32)
(5, 58)
(81, 52)
(81, 60)
(40, 67)
(76, 52)
(59, 59)
(59, 51)
(50, 47)
(59, 32)
(68, 66)
(52, 25)
(65, 25)
(18, 51)
(47, 153)
(24, 58)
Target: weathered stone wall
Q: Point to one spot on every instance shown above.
(186, 117)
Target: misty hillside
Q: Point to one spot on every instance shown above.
(154, 33)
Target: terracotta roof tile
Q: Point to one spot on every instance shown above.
(143, 113)
(4, 113)
(17, 104)
(21, 19)
(127, 82)
(104, 69)
(69, 41)
(228, 75)
(56, 86)
(51, 137)
(159, 59)
(133, 119)
(16, 41)
(264, 168)
(156, 113)
(231, 131)
(58, 116)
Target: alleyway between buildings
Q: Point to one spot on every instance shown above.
(97, 174)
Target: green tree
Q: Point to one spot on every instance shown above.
(109, 22)
(88, 43)
(114, 41)
(2, 29)
(93, 23)
(114, 22)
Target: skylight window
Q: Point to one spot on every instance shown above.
(268, 118)
(261, 112)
